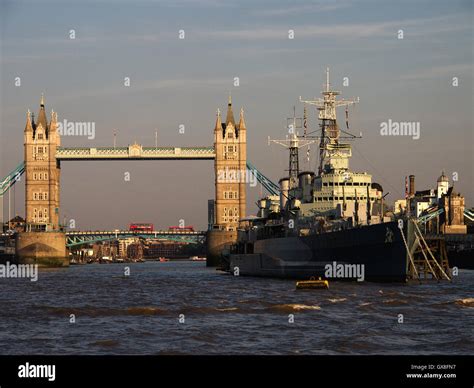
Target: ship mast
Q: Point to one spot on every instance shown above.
(329, 146)
(293, 142)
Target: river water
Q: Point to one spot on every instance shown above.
(186, 308)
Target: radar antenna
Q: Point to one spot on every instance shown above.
(329, 146)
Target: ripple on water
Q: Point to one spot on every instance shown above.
(105, 343)
(463, 302)
(395, 302)
(337, 300)
(90, 311)
(223, 309)
(290, 307)
(466, 302)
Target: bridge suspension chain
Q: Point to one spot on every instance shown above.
(270, 186)
(12, 178)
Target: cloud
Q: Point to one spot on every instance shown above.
(331, 32)
(164, 84)
(302, 9)
(413, 27)
(440, 71)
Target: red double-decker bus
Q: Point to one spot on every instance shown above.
(141, 227)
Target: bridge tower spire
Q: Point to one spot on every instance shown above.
(29, 122)
(230, 113)
(218, 126)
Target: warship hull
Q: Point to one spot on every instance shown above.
(379, 248)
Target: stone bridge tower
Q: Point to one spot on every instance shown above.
(41, 171)
(230, 146)
(43, 243)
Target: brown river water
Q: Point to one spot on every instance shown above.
(186, 308)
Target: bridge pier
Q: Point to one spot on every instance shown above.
(47, 249)
(218, 241)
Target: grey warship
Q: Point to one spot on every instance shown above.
(332, 219)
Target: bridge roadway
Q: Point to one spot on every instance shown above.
(135, 152)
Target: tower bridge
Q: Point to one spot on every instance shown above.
(44, 240)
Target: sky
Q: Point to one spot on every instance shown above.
(426, 77)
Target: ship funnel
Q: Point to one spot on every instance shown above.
(305, 182)
(411, 192)
(284, 191)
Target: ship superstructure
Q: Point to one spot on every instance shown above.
(334, 192)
